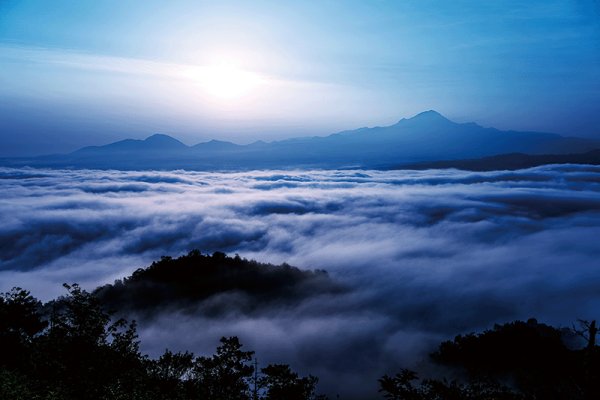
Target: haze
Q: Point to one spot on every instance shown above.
(82, 73)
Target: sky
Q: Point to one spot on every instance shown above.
(75, 73)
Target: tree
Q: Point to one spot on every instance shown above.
(85, 354)
(531, 354)
(588, 331)
(20, 314)
(226, 375)
(400, 387)
(172, 375)
(13, 386)
(20, 322)
(281, 383)
(590, 356)
(80, 317)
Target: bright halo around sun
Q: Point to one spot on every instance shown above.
(225, 80)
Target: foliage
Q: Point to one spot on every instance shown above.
(71, 349)
(20, 322)
(284, 384)
(401, 387)
(185, 281)
(225, 375)
(518, 360)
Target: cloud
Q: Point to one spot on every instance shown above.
(426, 254)
(89, 61)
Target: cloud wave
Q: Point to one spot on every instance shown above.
(428, 254)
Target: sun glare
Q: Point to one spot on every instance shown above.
(225, 80)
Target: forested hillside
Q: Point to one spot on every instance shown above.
(74, 348)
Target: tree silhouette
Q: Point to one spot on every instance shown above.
(400, 386)
(225, 375)
(171, 374)
(406, 386)
(588, 331)
(86, 355)
(282, 383)
(20, 322)
(181, 283)
(530, 356)
(71, 348)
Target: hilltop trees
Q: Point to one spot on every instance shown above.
(406, 386)
(225, 375)
(182, 283)
(170, 376)
(518, 360)
(71, 349)
(20, 322)
(82, 353)
(282, 383)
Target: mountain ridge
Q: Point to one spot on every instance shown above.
(509, 161)
(157, 142)
(427, 136)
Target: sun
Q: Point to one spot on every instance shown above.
(225, 80)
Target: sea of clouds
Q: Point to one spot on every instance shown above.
(426, 254)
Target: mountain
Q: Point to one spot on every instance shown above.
(510, 161)
(212, 282)
(154, 143)
(428, 136)
(216, 145)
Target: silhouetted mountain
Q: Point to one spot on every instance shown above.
(511, 161)
(154, 143)
(214, 285)
(427, 136)
(216, 145)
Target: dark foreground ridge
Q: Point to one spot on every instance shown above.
(71, 348)
(232, 284)
(512, 161)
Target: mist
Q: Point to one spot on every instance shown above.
(424, 255)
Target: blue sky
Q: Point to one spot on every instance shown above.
(74, 73)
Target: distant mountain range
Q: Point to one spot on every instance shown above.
(424, 138)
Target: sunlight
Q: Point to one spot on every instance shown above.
(225, 80)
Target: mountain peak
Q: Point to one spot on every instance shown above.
(426, 118)
(430, 115)
(160, 137)
(163, 140)
(215, 144)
